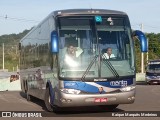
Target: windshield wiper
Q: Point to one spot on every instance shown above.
(88, 68)
(110, 66)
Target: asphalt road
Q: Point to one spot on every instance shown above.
(147, 99)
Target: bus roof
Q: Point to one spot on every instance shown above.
(73, 12)
(87, 11)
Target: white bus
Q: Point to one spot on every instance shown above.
(63, 60)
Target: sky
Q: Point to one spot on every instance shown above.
(18, 15)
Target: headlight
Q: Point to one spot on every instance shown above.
(148, 77)
(70, 91)
(128, 88)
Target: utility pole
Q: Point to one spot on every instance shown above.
(16, 49)
(148, 48)
(3, 56)
(142, 55)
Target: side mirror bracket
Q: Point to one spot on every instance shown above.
(143, 41)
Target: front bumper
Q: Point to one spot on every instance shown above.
(71, 100)
(153, 81)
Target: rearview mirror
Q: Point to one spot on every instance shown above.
(143, 41)
(54, 42)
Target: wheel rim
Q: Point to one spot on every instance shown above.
(49, 100)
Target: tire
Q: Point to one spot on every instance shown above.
(47, 101)
(25, 86)
(29, 97)
(108, 107)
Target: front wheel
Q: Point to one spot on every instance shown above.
(108, 107)
(47, 101)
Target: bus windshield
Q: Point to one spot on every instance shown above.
(87, 47)
(154, 67)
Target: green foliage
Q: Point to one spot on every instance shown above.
(11, 52)
(153, 50)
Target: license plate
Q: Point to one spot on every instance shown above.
(99, 100)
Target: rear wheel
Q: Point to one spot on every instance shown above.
(25, 86)
(147, 83)
(108, 107)
(47, 101)
(29, 97)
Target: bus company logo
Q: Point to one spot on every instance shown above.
(69, 84)
(100, 79)
(118, 83)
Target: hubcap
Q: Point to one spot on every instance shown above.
(49, 100)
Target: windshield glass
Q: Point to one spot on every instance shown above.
(154, 67)
(87, 48)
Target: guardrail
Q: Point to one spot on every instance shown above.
(6, 85)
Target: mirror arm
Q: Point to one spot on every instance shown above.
(142, 38)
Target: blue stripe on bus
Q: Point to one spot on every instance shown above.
(83, 86)
(116, 83)
(51, 92)
(80, 86)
